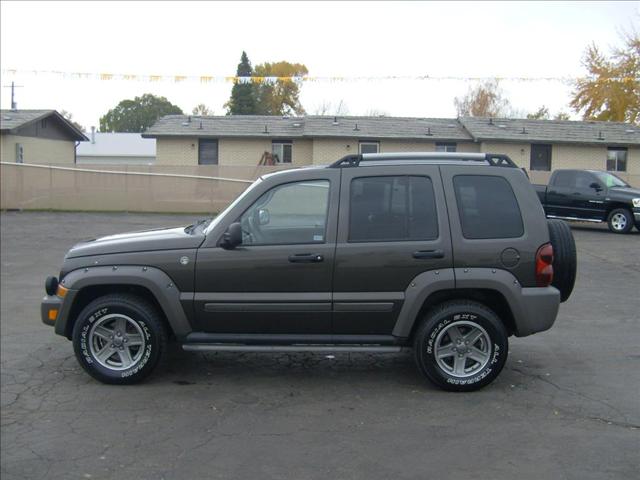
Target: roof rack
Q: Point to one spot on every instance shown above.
(492, 159)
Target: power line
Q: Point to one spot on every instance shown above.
(105, 76)
(14, 105)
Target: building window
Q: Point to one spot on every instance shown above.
(617, 159)
(369, 147)
(282, 151)
(446, 147)
(207, 152)
(540, 157)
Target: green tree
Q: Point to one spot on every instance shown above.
(201, 110)
(282, 96)
(138, 114)
(484, 100)
(562, 116)
(611, 91)
(243, 94)
(541, 114)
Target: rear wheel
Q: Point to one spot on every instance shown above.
(461, 346)
(119, 338)
(620, 220)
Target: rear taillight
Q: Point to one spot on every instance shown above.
(544, 265)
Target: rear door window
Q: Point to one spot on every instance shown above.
(487, 207)
(399, 208)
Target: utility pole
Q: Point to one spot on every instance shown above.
(14, 105)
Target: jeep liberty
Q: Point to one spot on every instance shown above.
(445, 253)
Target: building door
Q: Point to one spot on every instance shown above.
(540, 157)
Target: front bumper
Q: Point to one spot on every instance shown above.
(50, 309)
(636, 215)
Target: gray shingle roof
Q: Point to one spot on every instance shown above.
(11, 120)
(309, 127)
(118, 145)
(551, 131)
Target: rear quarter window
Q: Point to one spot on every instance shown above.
(487, 207)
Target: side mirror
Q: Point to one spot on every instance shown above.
(232, 237)
(596, 186)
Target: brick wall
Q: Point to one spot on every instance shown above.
(177, 151)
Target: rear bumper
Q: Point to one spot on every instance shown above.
(538, 310)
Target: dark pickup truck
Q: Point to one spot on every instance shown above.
(591, 196)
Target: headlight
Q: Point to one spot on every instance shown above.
(636, 202)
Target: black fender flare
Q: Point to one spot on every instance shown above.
(153, 279)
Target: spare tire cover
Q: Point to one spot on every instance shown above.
(564, 257)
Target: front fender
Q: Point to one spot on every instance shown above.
(153, 279)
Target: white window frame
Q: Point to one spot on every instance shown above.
(280, 153)
(448, 146)
(626, 160)
(360, 144)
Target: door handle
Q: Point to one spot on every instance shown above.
(420, 254)
(306, 258)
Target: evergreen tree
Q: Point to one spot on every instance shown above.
(242, 101)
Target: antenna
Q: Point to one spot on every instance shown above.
(14, 105)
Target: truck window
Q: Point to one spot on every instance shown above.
(384, 209)
(487, 207)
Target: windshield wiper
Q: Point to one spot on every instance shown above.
(192, 227)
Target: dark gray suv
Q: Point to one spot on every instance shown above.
(448, 254)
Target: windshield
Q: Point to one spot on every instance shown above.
(610, 180)
(222, 214)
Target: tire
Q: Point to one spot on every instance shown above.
(128, 328)
(436, 334)
(620, 220)
(565, 259)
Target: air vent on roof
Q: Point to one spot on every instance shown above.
(600, 136)
(266, 129)
(297, 124)
(630, 130)
(451, 125)
(524, 130)
(185, 124)
(356, 128)
(490, 121)
(428, 132)
(200, 126)
(335, 120)
(502, 126)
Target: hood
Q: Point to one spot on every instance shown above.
(624, 192)
(148, 240)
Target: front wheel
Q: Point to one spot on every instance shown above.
(461, 346)
(620, 220)
(119, 338)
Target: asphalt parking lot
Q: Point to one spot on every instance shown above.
(566, 406)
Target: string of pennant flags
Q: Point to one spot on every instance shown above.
(272, 80)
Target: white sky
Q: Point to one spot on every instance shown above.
(483, 39)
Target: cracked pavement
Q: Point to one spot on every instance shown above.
(566, 406)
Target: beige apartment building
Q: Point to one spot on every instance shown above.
(538, 145)
(38, 136)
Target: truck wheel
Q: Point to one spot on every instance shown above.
(565, 259)
(461, 346)
(620, 220)
(119, 338)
